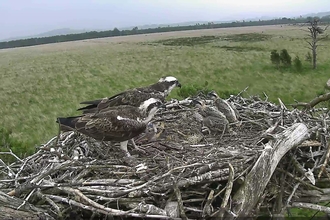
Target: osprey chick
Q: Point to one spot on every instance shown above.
(213, 119)
(225, 107)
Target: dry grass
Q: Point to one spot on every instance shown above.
(43, 82)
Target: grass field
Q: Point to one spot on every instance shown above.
(40, 83)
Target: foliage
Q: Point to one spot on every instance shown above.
(248, 37)
(240, 48)
(193, 41)
(285, 58)
(7, 142)
(188, 41)
(275, 58)
(308, 57)
(194, 90)
(297, 64)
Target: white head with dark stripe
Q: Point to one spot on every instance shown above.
(213, 95)
(150, 106)
(166, 84)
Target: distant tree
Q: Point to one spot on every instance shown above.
(314, 31)
(308, 57)
(297, 64)
(275, 58)
(135, 30)
(116, 32)
(285, 58)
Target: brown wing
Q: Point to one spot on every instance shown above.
(113, 125)
(132, 97)
(227, 110)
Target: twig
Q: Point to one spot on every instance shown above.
(51, 202)
(208, 209)
(28, 197)
(299, 180)
(12, 154)
(311, 206)
(104, 210)
(180, 203)
(229, 188)
(327, 156)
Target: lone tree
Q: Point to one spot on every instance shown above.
(314, 31)
(275, 58)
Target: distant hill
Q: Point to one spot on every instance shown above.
(62, 31)
(320, 14)
(65, 31)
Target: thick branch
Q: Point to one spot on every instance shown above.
(314, 102)
(311, 206)
(256, 181)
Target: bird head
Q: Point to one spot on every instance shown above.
(170, 80)
(166, 84)
(151, 105)
(213, 95)
(197, 102)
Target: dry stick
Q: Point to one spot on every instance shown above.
(244, 90)
(313, 102)
(282, 104)
(229, 188)
(51, 202)
(146, 208)
(28, 197)
(208, 204)
(49, 142)
(21, 169)
(12, 154)
(182, 182)
(58, 136)
(323, 166)
(180, 203)
(43, 174)
(104, 210)
(299, 180)
(311, 206)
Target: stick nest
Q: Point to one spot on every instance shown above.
(183, 172)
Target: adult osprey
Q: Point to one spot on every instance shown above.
(118, 123)
(225, 107)
(134, 97)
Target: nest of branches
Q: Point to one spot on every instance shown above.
(274, 159)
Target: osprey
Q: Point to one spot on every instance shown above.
(118, 123)
(225, 107)
(134, 97)
(210, 117)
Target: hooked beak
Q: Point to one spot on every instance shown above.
(163, 106)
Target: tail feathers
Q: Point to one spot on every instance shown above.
(90, 104)
(93, 102)
(67, 124)
(88, 107)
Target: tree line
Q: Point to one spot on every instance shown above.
(116, 32)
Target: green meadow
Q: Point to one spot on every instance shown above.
(40, 83)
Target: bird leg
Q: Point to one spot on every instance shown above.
(136, 147)
(123, 146)
(224, 130)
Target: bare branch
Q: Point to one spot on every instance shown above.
(315, 207)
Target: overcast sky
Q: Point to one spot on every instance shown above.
(29, 17)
